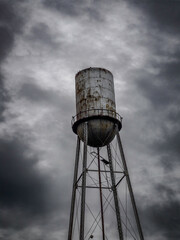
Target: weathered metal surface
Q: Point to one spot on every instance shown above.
(98, 113)
(73, 198)
(115, 194)
(100, 132)
(94, 90)
(95, 98)
(83, 192)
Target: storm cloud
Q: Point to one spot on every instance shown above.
(11, 24)
(43, 45)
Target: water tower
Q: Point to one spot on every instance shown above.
(96, 124)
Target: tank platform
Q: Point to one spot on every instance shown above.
(90, 114)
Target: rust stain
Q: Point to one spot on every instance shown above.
(91, 91)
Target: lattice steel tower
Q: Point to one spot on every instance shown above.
(96, 124)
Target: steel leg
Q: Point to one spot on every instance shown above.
(116, 203)
(83, 195)
(129, 186)
(73, 198)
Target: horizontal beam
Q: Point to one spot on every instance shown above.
(95, 187)
(106, 171)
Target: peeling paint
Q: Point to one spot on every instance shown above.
(94, 90)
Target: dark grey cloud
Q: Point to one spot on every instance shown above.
(163, 14)
(10, 25)
(29, 197)
(41, 33)
(66, 7)
(34, 93)
(37, 95)
(75, 8)
(169, 145)
(22, 186)
(162, 91)
(163, 217)
(4, 97)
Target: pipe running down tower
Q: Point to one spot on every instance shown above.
(96, 124)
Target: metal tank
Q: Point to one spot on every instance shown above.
(95, 104)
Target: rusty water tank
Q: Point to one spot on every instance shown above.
(95, 104)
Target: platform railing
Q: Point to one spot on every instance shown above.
(96, 112)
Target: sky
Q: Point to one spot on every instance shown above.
(43, 44)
